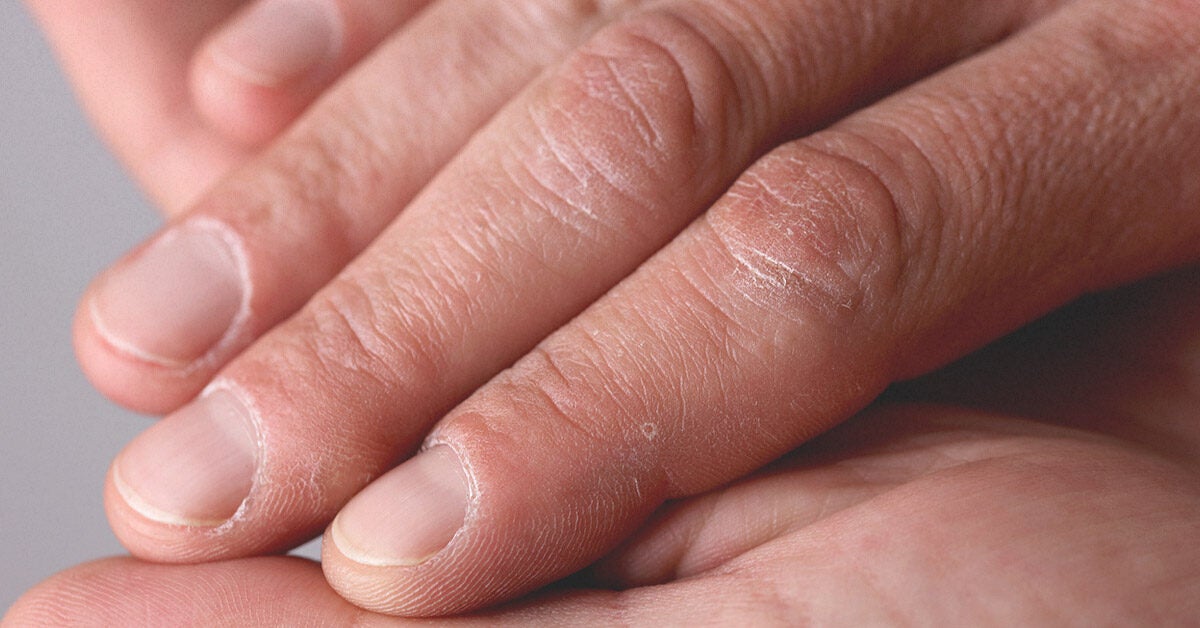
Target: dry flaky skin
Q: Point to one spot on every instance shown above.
(1063, 488)
(641, 286)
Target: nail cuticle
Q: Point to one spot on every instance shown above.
(197, 468)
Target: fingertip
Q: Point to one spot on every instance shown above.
(400, 526)
(62, 600)
(423, 590)
(259, 71)
(153, 328)
(136, 384)
(146, 538)
(408, 515)
(518, 531)
(245, 112)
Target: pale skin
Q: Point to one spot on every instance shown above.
(701, 239)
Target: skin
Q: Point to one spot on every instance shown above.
(700, 234)
(1050, 479)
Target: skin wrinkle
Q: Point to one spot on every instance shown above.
(678, 413)
(1026, 142)
(348, 335)
(685, 518)
(920, 266)
(831, 259)
(641, 70)
(444, 314)
(588, 229)
(327, 173)
(563, 417)
(912, 458)
(674, 407)
(641, 117)
(638, 449)
(909, 230)
(729, 335)
(374, 161)
(859, 234)
(754, 52)
(706, 547)
(611, 92)
(684, 537)
(728, 63)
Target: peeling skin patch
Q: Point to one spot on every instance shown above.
(649, 430)
(806, 231)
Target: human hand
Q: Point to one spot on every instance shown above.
(1053, 163)
(1053, 482)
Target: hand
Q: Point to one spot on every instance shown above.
(1080, 506)
(714, 327)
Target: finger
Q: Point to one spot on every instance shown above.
(124, 592)
(257, 72)
(128, 61)
(960, 503)
(274, 592)
(593, 169)
(151, 332)
(876, 250)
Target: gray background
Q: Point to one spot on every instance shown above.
(66, 210)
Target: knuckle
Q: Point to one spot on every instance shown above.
(340, 165)
(566, 382)
(634, 107)
(638, 76)
(550, 17)
(568, 396)
(320, 180)
(356, 333)
(809, 231)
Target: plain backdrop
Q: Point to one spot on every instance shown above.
(66, 210)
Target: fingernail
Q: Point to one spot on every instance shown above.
(174, 300)
(406, 516)
(277, 41)
(193, 468)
